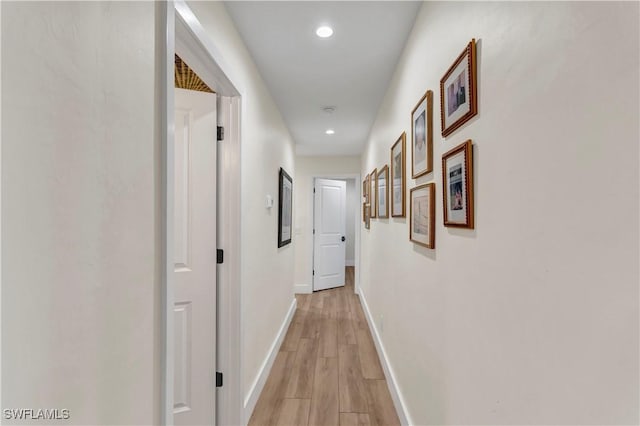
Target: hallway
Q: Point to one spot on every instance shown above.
(327, 371)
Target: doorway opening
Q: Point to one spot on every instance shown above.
(336, 232)
(187, 42)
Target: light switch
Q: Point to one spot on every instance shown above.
(269, 202)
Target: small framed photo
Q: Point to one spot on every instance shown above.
(422, 136)
(366, 211)
(457, 186)
(458, 91)
(422, 212)
(398, 185)
(285, 192)
(365, 189)
(383, 192)
(373, 193)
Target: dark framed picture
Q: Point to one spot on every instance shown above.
(422, 136)
(285, 207)
(383, 192)
(458, 91)
(373, 193)
(398, 185)
(366, 211)
(422, 215)
(457, 186)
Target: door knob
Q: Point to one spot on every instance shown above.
(342, 238)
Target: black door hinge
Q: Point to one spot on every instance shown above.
(220, 133)
(314, 190)
(219, 256)
(314, 272)
(314, 232)
(218, 379)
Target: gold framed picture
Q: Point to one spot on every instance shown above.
(422, 212)
(458, 91)
(398, 184)
(382, 187)
(422, 136)
(457, 186)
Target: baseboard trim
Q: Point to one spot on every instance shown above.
(396, 395)
(258, 384)
(350, 262)
(303, 289)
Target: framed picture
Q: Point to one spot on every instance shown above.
(398, 186)
(365, 189)
(366, 211)
(422, 136)
(457, 186)
(458, 96)
(422, 215)
(285, 192)
(373, 193)
(383, 192)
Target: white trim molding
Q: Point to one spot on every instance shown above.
(396, 395)
(303, 288)
(259, 382)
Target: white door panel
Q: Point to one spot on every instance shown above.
(195, 258)
(330, 228)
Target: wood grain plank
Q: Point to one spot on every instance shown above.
(354, 419)
(369, 361)
(329, 338)
(312, 325)
(324, 404)
(351, 385)
(302, 371)
(269, 404)
(292, 337)
(346, 333)
(294, 412)
(381, 409)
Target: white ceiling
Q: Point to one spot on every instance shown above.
(350, 70)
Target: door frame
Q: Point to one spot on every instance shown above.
(356, 218)
(183, 32)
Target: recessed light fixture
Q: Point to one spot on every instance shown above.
(330, 131)
(324, 31)
(329, 109)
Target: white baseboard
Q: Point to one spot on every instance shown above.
(303, 289)
(349, 262)
(398, 400)
(258, 384)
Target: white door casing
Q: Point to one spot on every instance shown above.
(329, 233)
(195, 258)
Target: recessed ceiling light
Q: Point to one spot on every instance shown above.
(324, 31)
(330, 131)
(329, 109)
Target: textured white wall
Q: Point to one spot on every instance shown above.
(80, 174)
(306, 169)
(266, 271)
(531, 318)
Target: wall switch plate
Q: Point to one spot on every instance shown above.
(269, 203)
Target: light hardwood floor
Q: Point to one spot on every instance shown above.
(327, 371)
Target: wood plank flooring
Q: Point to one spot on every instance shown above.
(327, 372)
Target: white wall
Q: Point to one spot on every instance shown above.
(351, 207)
(306, 169)
(531, 318)
(266, 271)
(80, 203)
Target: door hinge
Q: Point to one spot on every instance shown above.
(314, 232)
(314, 272)
(218, 379)
(220, 133)
(219, 256)
(314, 190)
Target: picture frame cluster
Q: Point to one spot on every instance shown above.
(384, 189)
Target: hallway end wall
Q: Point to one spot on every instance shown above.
(308, 167)
(533, 316)
(266, 145)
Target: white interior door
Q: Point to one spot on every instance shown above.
(195, 258)
(329, 226)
